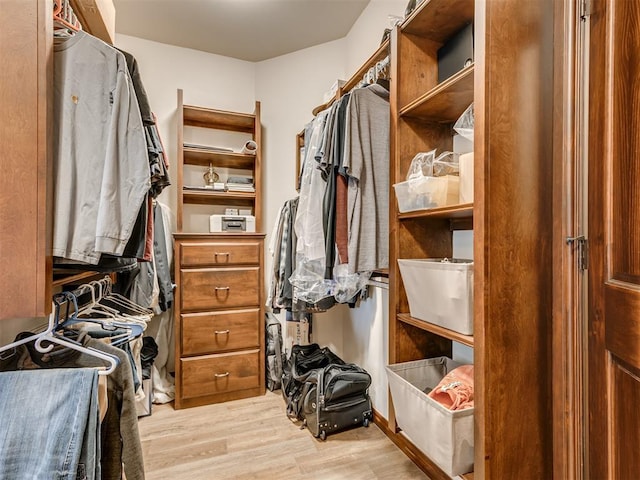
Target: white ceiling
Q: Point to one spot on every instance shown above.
(252, 30)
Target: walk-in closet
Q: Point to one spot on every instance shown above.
(332, 239)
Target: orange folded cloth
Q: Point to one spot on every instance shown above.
(455, 390)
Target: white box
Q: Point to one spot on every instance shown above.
(232, 223)
(445, 436)
(440, 292)
(466, 177)
(427, 192)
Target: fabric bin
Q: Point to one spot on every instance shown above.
(445, 436)
(440, 291)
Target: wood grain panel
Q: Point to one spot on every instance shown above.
(446, 102)
(625, 142)
(204, 156)
(439, 19)
(220, 253)
(180, 168)
(417, 68)
(25, 146)
(257, 169)
(622, 336)
(215, 332)
(205, 289)
(219, 119)
(223, 373)
(513, 237)
(626, 421)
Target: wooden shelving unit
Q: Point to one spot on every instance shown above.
(511, 234)
(202, 156)
(219, 301)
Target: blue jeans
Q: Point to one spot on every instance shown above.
(49, 425)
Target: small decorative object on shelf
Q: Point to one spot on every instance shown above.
(210, 177)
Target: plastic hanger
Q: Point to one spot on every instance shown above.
(50, 337)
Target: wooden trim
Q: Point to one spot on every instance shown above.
(568, 331)
(464, 210)
(257, 169)
(437, 329)
(180, 168)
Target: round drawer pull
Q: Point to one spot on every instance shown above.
(222, 288)
(221, 332)
(221, 375)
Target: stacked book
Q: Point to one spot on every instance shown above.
(240, 184)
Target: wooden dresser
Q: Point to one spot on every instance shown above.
(219, 317)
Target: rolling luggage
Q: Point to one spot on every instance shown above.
(324, 392)
(337, 399)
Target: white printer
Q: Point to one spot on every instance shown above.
(232, 223)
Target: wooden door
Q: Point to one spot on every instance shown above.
(614, 238)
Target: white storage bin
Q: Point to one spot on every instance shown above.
(427, 192)
(440, 292)
(445, 436)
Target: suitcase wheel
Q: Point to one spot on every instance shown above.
(323, 435)
(365, 422)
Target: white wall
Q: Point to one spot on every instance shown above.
(207, 80)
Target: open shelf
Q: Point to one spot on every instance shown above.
(439, 20)
(62, 277)
(226, 198)
(204, 156)
(463, 210)
(438, 330)
(220, 119)
(447, 101)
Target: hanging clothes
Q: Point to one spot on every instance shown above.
(366, 162)
(49, 424)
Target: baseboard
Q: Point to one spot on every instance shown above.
(409, 449)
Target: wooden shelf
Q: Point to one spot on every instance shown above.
(219, 119)
(66, 278)
(464, 210)
(438, 330)
(204, 156)
(439, 20)
(446, 102)
(377, 56)
(225, 198)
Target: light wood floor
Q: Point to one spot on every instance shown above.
(254, 439)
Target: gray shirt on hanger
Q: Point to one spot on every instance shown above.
(366, 161)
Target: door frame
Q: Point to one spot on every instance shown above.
(569, 329)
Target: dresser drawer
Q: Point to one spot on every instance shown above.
(212, 288)
(220, 331)
(226, 372)
(219, 253)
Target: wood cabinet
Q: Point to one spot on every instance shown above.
(511, 85)
(219, 313)
(25, 149)
(219, 317)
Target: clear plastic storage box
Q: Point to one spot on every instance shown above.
(440, 291)
(445, 436)
(427, 192)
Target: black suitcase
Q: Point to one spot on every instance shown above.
(336, 398)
